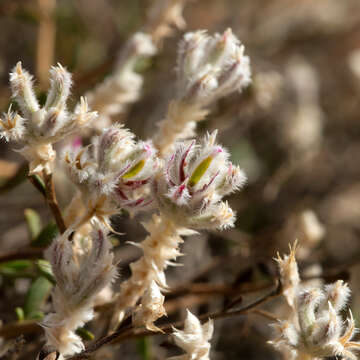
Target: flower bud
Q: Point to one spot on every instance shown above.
(22, 90)
(193, 182)
(60, 84)
(117, 171)
(113, 145)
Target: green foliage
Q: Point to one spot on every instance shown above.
(16, 268)
(143, 346)
(20, 313)
(36, 297)
(45, 270)
(46, 236)
(33, 222)
(85, 334)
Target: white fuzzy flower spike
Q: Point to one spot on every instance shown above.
(80, 276)
(160, 248)
(194, 339)
(123, 87)
(208, 68)
(289, 274)
(315, 329)
(37, 128)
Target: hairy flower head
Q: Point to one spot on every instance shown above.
(210, 67)
(37, 128)
(115, 169)
(316, 328)
(193, 182)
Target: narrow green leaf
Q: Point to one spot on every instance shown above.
(143, 346)
(46, 236)
(85, 334)
(36, 297)
(16, 268)
(33, 222)
(20, 313)
(45, 270)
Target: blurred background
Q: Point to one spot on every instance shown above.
(295, 131)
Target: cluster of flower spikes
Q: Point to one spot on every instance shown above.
(315, 329)
(113, 172)
(80, 275)
(190, 187)
(36, 127)
(188, 190)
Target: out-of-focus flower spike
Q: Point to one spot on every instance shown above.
(211, 67)
(350, 330)
(289, 274)
(22, 90)
(208, 68)
(60, 85)
(315, 329)
(338, 294)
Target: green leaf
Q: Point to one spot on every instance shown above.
(15, 180)
(33, 222)
(143, 346)
(46, 236)
(45, 270)
(20, 313)
(85, 334)
(36, 297)
(16, 268)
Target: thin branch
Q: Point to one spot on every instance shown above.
(46, 188)
(15, 329)
(24, 253)
(130, 332)
(45, 41)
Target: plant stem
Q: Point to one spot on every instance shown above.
(48, 191)
(130, 332)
